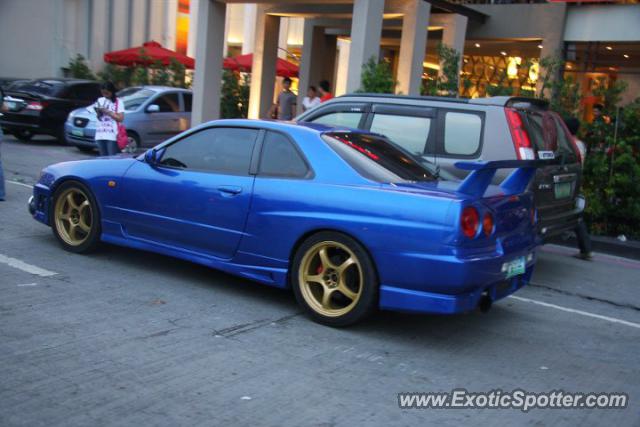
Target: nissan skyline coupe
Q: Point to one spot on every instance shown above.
(345, 218)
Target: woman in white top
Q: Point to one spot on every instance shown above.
(311, 100)
(110, 112)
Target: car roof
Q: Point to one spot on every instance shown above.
(316, 128)
(163, 88)
(498, 101)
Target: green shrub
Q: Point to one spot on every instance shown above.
(79, 69)
(377, 77)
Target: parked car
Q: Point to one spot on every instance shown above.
(444, 131)
(40, 107)
(346, 218)
(152, 114)
(6, 82)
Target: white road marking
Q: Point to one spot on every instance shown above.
(27, 284)
(580, 312)
(21, 265)
(19, 183)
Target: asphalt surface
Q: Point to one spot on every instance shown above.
(123, 337)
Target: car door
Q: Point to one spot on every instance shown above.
(163, 117)
(196, 197)
(410, 127)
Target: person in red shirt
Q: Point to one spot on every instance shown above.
(325, 91)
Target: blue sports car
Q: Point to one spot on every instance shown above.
(347, 219)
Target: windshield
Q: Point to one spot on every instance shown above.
(40, 87)
(133, 97)
(376, 158)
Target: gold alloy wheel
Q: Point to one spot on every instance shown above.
(330, 278)
(73, 216)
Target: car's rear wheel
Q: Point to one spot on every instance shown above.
(85, 149)
(75, 219)
(133, 143)
(23, 135)
(334, 279)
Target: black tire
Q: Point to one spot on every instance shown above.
(23, 135)
(88, 240)
(308, 293)
(134, 142)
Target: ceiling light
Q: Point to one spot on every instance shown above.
(609, 48)
(612, 68)
(626, 56)
(477, 45)
(503, 53)
(539, 46)
(569, 66)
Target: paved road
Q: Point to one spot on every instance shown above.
(123, 337)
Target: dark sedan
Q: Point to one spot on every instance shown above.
(41, 107)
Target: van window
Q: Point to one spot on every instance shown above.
(546, 134)
(462, 133)
(349, 119)
(409, 132)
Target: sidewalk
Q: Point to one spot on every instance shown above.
(608, 245)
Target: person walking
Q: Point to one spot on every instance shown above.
(285, 106)
(325, 91)
(110, 111)
(582, 234)
(311, 100)
(2, 108)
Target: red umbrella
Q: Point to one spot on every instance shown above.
(244, 63)
(152, 50)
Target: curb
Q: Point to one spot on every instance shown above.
(608, 245)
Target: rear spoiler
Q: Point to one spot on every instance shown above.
(482, 173)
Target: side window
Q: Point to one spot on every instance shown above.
(188, 101)
(340, 118)
(462, 133)
(218, 150)
(411, 133)
(168, 103)
(280, 158)
(84, 92)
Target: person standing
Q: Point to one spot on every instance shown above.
(2, 108)
(311, 100)
(285, 106)
(325, 91)
(110, 112)
(582, 234)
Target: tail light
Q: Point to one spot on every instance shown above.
(469, 221)
(487, 224)
(519, 135)
(36, 105)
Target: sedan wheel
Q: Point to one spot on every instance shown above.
(335, 280)
(75, 218)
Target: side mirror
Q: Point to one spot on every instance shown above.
(151, 157)
(153, 108)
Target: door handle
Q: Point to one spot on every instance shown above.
(229, 190)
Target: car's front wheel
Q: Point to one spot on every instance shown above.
(75, 219)
(23, 135)
(334, 279)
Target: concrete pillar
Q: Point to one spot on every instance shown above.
(119, 32)
(193, 19)
(366, 29)
(413, 45)
(170, 21)
(138, 15)
(208, 72)
(263, 70)
(553, 43)
(248, 37)
(283, 38)
(342, 67)
(318, 59)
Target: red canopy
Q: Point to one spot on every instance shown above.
(244, 63)
(153, 50)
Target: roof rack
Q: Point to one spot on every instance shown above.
(417, 98)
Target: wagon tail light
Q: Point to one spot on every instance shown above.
(519, 135)
(36, 105)
(469, 222)
(487, 224)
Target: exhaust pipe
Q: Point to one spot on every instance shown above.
(485, 303)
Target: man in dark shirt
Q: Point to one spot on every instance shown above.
(286, 104)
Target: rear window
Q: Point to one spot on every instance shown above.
(547, 134)
(376, 158)
(40, 87)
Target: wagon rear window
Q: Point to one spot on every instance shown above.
(376, 158)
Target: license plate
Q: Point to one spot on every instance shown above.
(77, 132)
(11, 105)
(514, 268)
(562, 190)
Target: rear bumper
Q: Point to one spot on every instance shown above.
(86, 140)
(36, 125)
(393, 298)
(553, 225)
